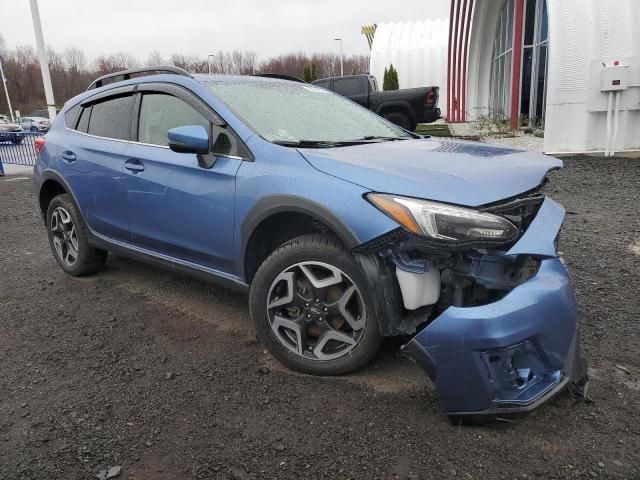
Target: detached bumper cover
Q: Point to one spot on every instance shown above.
(514, 354)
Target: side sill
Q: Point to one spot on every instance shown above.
(171, 263)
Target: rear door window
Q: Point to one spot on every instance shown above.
(111, 118)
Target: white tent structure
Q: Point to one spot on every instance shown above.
(417, 50)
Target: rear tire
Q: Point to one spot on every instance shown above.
(401, 119)
(310, 321)
(68, 238)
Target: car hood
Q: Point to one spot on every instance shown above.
(459, 172)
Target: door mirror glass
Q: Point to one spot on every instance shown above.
(189, 139)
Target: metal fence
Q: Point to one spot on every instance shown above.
(18, 148)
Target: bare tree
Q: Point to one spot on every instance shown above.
(327, 64)
(115, 62)
(71, 72)
(75, 59)
(191, 63)
(155, 59)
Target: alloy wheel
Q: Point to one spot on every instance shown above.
(65, 238)
(316, 311)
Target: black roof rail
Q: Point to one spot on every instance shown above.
(280, 76)
(126, 74)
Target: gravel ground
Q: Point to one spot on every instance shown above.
(161, 375)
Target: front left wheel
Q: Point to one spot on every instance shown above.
(68, 239)
(312, 309)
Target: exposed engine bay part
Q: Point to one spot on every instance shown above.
(419, 289)
(414, 285)
(421, 280)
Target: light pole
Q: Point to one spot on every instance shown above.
(44, 64)
(341, 57)
(209, 62)
(6, 92)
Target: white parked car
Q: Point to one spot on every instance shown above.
(34, 124)
(10, 132)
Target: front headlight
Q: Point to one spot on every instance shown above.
(445, 223)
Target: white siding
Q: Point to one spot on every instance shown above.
(418, 51)
(582, 35)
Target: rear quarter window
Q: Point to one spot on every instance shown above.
(71, 117)
(83, 121)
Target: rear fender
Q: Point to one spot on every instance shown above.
(396, 105)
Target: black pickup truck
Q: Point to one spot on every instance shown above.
(406, 107)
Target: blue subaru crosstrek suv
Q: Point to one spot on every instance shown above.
(342, 227)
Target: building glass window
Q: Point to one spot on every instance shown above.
(501, 64)
(534, 63)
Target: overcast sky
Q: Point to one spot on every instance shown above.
(268, 27)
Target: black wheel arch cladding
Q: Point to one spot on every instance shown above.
(277, 204)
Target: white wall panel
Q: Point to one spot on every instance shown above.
(418, 51)
(582, 35)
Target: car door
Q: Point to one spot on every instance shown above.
(177, 207)
(92, 161)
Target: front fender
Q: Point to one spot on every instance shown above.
(281, 180)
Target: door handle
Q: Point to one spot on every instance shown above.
(68, 156)
(134, 165)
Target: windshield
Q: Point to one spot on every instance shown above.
(287, 112)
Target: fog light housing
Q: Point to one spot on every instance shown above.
(518, 374)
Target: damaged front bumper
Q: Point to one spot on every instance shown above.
(511, 355)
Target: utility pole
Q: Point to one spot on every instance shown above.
(341, 57)
(6, 92)
(44, 63)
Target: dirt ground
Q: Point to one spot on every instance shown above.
(162, 376)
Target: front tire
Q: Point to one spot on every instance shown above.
(68, 239)
(311, 307)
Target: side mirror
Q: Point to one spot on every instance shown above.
(189, 139)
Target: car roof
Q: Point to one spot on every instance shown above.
(241, 79)
(182, 80)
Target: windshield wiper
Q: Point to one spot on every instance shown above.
(315, 143)
(331, 143)
(382, 139)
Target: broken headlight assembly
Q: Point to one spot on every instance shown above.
(446, 224)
